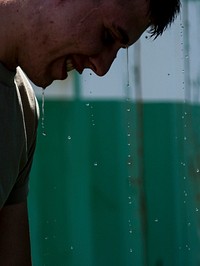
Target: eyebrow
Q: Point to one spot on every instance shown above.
(124, 36)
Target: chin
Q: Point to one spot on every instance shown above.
(43, 83)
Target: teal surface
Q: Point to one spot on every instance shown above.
(116, 183)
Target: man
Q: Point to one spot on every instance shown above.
(47, 39)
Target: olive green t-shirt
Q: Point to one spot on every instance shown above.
(18, 128)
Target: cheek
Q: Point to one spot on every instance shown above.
(90, 41)
(89, 33)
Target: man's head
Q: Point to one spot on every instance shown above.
(56, 36)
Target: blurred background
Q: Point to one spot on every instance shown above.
(116, 179)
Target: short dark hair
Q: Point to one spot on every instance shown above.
(162, 14)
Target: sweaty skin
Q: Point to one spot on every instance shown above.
(49, 38)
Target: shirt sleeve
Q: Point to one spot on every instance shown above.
(30, 112)
(20, 190)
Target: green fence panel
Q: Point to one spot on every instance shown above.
(116, 186)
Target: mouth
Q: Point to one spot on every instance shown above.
(74, 64)
(69, 65)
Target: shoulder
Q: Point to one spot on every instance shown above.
(26, 91)
(28, 101)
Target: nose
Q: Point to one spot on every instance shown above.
(102, 62)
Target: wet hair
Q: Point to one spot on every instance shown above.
(162, 14)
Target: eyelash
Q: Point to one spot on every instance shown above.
(108, 38)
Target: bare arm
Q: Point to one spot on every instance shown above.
(14, 235)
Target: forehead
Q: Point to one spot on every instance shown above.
(129, 15)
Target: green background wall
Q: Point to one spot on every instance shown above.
(95, 200)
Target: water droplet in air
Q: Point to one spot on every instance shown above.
(95, 164)
(187, 247)
(156, 220)
(131, 250)
(197, 170)
(43, 113)
(127, 67)
(197, 209)
(69, 137)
